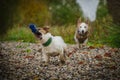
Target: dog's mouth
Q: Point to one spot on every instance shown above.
(38, 35)
(81, 32)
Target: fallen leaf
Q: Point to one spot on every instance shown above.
(107, 54)
(98, 57)
(91, 47)
(114, 50)
(73, 51)
(30, 57)
(69, 54)
(84, 52)
(99, 64)
(81, 62)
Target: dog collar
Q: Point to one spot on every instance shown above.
(48, 42)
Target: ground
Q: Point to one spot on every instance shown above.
(22, 61)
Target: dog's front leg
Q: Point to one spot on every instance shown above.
(62, 57)
(80, 46)
(45, 56)
(85, 43)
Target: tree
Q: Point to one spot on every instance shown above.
(114, 9)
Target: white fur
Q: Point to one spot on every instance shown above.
(56, 47)
(82, 27)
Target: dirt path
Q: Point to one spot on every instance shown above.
(22, 61)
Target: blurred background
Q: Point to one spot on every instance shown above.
(61, 16)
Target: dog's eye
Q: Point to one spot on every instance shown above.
(84, 26)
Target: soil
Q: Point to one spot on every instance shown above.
(23, 61)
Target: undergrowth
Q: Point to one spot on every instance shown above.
(102, 32)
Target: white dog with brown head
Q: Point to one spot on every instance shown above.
(81, 33)
(52, 45)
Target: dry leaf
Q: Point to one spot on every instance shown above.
(81, 62)
(91, 47)
(107, 54)
(69, 54)
(84, 52)
(98, 57)
(30, 57)
(99, 64)
(114, 50)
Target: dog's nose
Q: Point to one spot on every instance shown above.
(78, 31)
(82, 31)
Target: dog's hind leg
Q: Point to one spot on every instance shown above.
(45, 58)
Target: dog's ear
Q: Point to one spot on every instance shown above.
(78, 21)
(87, 21)
(46, 29)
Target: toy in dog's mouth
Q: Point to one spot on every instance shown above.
(35, 31)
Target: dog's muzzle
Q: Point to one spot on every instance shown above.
(38, 35)
(82, 31)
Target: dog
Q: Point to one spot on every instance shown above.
(81, 33)
(51, 45)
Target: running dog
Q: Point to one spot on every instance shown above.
(81, 33)
(51, 45)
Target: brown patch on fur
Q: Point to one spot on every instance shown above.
(44, 30)
(82, 38)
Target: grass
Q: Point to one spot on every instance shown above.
(102, 32)
(66, 32)
(24, 34)
(19, 34)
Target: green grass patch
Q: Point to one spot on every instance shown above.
(28, 50)
(67, 32)
(19, 34)
(101, 32)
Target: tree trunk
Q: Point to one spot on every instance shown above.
(114, 9)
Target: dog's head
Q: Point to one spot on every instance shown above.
(42, 32)
(82, 27)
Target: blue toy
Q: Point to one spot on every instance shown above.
(34, 30)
